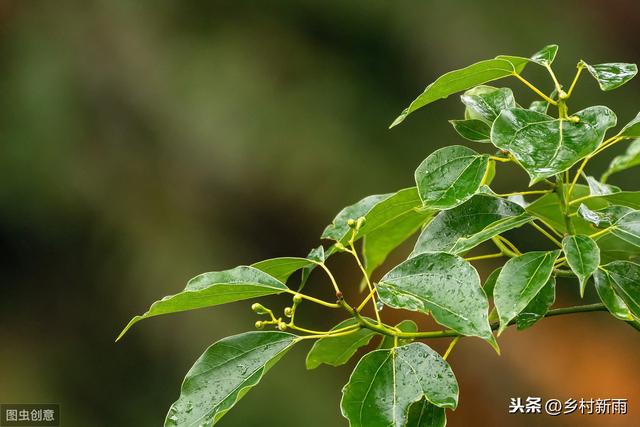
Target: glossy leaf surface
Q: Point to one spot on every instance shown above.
(462, 79)
(538, 306)
(631, 129)
(405, 326)
(546, 146)
(466, 226)
(624, 277)
(546, 55)
(486, 102)
(450, 176)
(628, 228)
(444, 285)
(612, 75)
(473, 130)
(583, 257)
(211, 289)
(385, 383)
(282, 268)
(629, 159)
(426, 414)
(608, 296)
(520, 280)
(336, 351)
(224, 374)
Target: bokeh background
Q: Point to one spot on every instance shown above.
(144, 142)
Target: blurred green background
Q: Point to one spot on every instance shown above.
(144, 142)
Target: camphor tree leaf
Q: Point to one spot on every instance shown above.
(608, 296)
(631, 129)
(538, 306)
(486, 102)
(597, 188)
(385, 383)
(336, 351)
(466, 226)
(450, 176)
(628, 228)
(405, 326)
(539, 107)
(613, 75)
(472, 129)
(624, 277)
(339, 230)
(546, 55)
(624, 161)
(444, 285)
(583, 257)
(282, 268)
(389, 223)
(211, 289)
(224, 374)
(520, 280)
(604, 217)
(546, 146)
(425, 414)
(463, 79)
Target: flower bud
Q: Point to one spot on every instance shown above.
(297, 298)
(259, 325)
(259, 308)
(288, 311)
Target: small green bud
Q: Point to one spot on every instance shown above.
(351, 222)
(360, 222)
(259, 308)
(288, 311)
(297, 298)
(282, 326)
(259, 325)
(339, 246)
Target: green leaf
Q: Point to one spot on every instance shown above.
(609, 298)
(444, 285)
(282, 268)
(385, 383)
(539, 106)
(486, 102)
(224, 374)
(538, 307)
(519, 282)
(425, 414)
(631, 129)
(583, 257)
(211, 289)
(604, 217)
(404, 326)
(390, 223)
(629, 159)
(463, 79)
(466, 226)
(336, 351)
(613, 75)
(473, 130)
(546, 146)
(490, 283)
(625, 198)
(546, 55)
(339, 230)
(319, 255)
(624, 277)
(628, 228)
(450, 176)
(596, 188)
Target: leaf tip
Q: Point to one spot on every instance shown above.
(126, 328)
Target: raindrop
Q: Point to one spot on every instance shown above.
(379, 305)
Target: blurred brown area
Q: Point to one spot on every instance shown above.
(142, 143)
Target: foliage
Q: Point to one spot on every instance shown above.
(593, 230)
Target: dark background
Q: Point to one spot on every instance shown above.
(144, 142)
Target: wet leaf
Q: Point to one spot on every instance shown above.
(583, 257)
(538, 307)
(546, 146)
(539, 107)
(609, 298)
(444, 285)
(450, 176)
(546, 55)
(282, 268)
(473, 130)
(486, 102)
(628, 228)
(624, 277)
(211, 289)
(339, 230)
(604, 217)
(596, 188)
(612, 75)
(336, 351)
(477, 220)
(224, 374)
(463, 79)
(520, 280)
(385, 383)
(631, 129)
(426, 414)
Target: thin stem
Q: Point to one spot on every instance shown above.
(578, 174)
(503, 248)
(311, 331)
(600, 233)
(333, 279)
(369, 285)
(609, 143)
(544, 232)
(340, 334)
(500, 159)
(580, 199)
(575, 79)
(312, 299)
(524, 193)
(550, 227)
(510, 245)
(450, 348)
(535, 89)
(561, 93)
(564, 205)
(488, 256)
